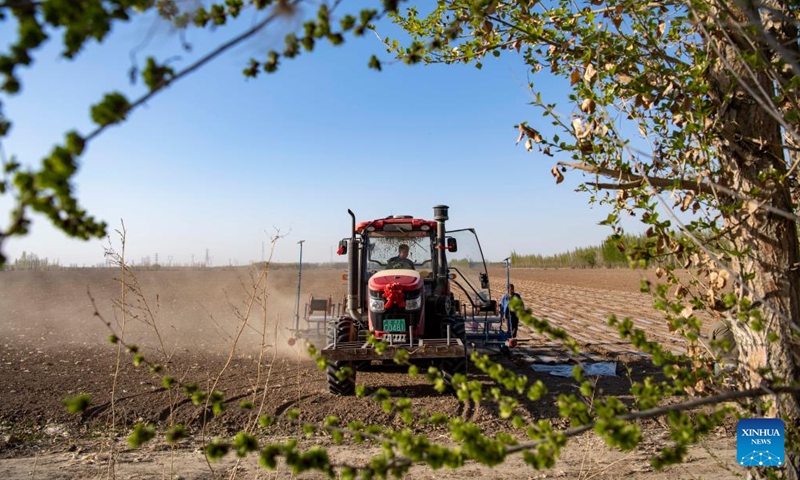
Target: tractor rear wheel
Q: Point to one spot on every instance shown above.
(343, 330)
(455, 365)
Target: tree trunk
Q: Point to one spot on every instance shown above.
(750, 148)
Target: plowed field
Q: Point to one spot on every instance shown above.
(201, 328)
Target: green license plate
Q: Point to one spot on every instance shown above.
(394, 325)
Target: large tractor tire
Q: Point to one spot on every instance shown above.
(343, 331)
(452, 366)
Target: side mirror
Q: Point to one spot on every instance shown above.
(484, 280)
(452, 244)
(342, 247)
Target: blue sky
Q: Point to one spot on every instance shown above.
(221, 162)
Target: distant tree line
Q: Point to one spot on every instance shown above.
(614, 251)
(31, 261)
(611, 253)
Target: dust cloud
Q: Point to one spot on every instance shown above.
(212, 311)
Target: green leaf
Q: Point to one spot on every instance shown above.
(217, 449)
(77, 404)
(112, 109)
(265, 421)
(244, 443)
(168, 382)
(175, 434)
(374, 63)
(141, 434)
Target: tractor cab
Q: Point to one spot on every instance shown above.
(398, 260)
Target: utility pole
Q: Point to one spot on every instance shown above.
(508, 273)
(299, 280)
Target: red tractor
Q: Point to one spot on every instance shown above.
(402, 291)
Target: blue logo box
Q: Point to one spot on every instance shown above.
(759, 442)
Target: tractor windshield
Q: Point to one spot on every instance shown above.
(471, 284)
(384, 246)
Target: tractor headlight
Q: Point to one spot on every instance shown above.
(414, 303)
(376, 305)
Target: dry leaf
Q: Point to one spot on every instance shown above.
(711, 299)
(660, 272)
(533, 134)
(528, 145)
(590, 73)
(624, 79)
(680, 291)
(581, 132)
(752, 206)
(722, 279)
(588, 105)
(557, 173)
(577, 125)
(687, 201)
(700, 386)
(687, 311)
(575, 77)
(521, 134)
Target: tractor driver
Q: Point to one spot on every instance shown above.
(401, 260)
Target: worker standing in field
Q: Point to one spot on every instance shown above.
(507, 313)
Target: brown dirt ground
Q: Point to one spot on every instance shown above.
(53, 344)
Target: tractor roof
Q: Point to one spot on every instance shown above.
(397, 223)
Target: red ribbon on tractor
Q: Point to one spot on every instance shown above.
(393, 293)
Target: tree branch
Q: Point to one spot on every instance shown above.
(704, 186)
(635, 180)
(659, 411)
(617, 186)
